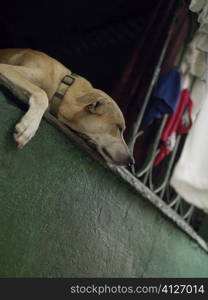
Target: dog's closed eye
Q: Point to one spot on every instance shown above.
(120, 128)
(96, 107)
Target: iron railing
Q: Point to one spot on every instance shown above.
(146, 173)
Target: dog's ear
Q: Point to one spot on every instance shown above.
(97, 107)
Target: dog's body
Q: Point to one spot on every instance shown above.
(34, 78)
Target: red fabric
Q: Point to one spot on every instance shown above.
(175, 124)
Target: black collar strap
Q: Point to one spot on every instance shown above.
(67, 81)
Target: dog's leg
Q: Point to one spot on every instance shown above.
(16, 78)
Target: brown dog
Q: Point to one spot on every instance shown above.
(42, 81)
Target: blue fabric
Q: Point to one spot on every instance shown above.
(164, 98)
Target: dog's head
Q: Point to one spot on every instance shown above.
(96, 116)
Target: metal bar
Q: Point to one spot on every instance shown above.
(171, 161)
(152, 152)
(136, 125)
(175, 201)
(188, 214)
(167, 175)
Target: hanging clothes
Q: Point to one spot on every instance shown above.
(190, 175)
(178, 123)
(164, 98)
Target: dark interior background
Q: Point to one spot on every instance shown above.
(93, 38)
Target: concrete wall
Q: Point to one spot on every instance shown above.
(64, 215)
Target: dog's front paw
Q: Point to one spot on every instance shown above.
(25, 130)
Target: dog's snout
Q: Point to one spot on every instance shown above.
(119, 158)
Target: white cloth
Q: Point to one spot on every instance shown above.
(197, 5)
(190, 175)
(201, 8)
(203, 41)
(194, 60)
(198, 97)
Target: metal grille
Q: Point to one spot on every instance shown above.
(146, 172)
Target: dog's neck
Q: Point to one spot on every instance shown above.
(58, 96)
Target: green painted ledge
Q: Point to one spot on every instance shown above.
(64, 215)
